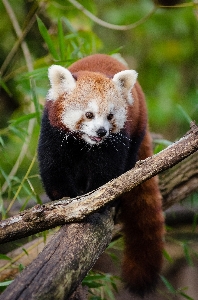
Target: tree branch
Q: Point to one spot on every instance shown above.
(64, 262)
(108, 25)
(42, 217)
(180, 181)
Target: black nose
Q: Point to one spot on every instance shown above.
(101, 132)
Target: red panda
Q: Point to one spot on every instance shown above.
(94, 128)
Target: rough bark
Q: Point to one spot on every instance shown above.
(180, 181)
(42, 217)
(61, 266)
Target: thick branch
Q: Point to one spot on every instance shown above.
(64, 262)
(42, 217)
(180, 181)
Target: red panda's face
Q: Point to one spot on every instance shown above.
(93, 106)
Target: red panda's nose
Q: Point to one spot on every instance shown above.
(101, 132)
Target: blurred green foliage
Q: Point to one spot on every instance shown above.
(164, 52)
(35, 34)
(162, 49)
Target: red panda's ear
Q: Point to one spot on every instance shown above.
(61, 81)
(125, 81)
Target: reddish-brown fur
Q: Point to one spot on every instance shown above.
(142, 217)
(143, 230)
(141, 212)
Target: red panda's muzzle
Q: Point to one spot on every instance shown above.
(96, 139)
(101, 133)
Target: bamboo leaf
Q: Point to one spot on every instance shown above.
(61, 40)
(23, 119)
(35, 100)
(21, 267)
(187, 253)
(4, 86)
(184, 113)
(4, 257)
(186, 296)
(167, 256)
(47, 38)
(39, 73)
(25, 251)
(195, 221)
(2, 142)
(6, 283)
(69, 25)
(168, 285)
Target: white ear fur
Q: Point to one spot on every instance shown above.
(125, 80)
(61, 81)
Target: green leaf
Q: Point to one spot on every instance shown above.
(4, 86)
(93, 284)
(2, 142)
(25, 204)
(35, 100)
(47, 38)
(187, 253)
(20, 133)
(184, 113)
(21, 267)
(4, 257)
(95, 277)
(6, 283)
(7, 178)
(195, 221)
(186, 296)
(23, 119)
(168, 285)
(25, 251)
(163, 142)
(167, 256)
(69, 25)
(61, 40)
(39, 73)
(38, 199)
(114, 286)
(109, 293)
(95, 298)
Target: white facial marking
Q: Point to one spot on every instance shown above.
(93, 107)
(71, 117)
(90, 128)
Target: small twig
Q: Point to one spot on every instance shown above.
(182, 5)
(17, 44)
(108, 25)
(22, 182)
(29, 64)
(19, 33)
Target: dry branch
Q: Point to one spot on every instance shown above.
(180, 181)
(64, 262)
(42, 217)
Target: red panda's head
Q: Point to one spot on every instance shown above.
(89, 103)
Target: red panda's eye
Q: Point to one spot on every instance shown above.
(89, 115)
(110, 117)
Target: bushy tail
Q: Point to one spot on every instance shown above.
(143, 228)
